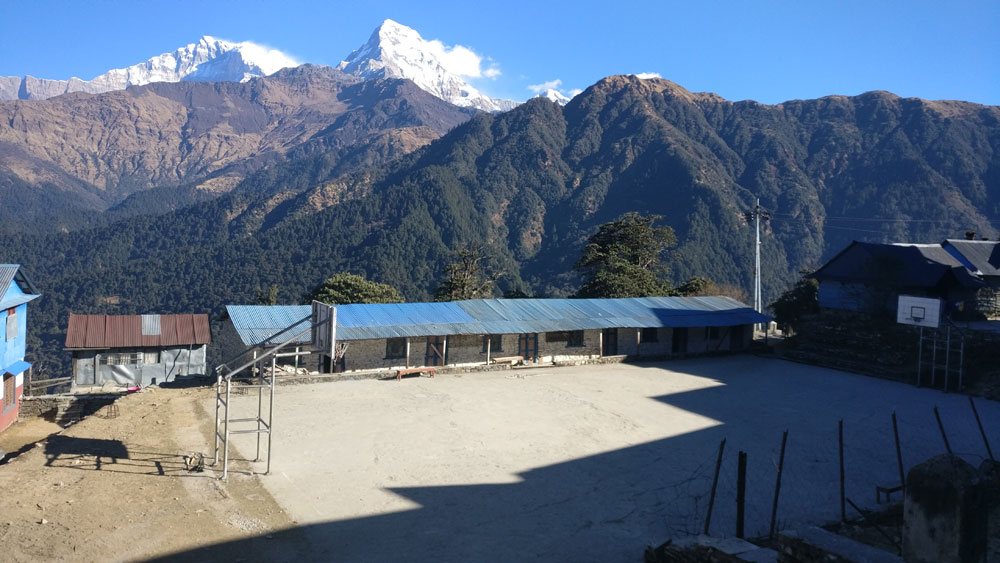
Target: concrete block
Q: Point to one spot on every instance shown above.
(944, 512)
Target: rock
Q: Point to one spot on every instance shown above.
(43, 521)
(944, 512)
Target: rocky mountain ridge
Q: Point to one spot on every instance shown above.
(207, 60)
(92, 152)
(397, 51)
(393, 51)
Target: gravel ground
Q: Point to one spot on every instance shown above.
(587, 463)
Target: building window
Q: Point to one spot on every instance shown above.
(572, 338)
(122, 359)
(711, 333)
(495, 341)
(650, 334)
(558, 336)
(11, 325)
(131, 357)
(395, 348)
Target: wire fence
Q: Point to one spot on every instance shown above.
(811, 477)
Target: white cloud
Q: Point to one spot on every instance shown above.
(647, 75)
(574, 92)
(462, 60)
(550, 85)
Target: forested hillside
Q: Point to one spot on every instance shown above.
(530, 185)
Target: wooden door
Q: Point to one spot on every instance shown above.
(680, 341)
(609, 342)
(435, 355)
(527, 346)
(9, 391)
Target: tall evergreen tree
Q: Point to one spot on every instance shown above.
(467, 277)
(342, 289)
(625, 258)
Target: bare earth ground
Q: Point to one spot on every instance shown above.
(587, 463)
(24, 433)
(136, 501)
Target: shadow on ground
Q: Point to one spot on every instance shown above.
(610, 506)
(94, 454)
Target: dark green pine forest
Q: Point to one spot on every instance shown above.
(529, 186)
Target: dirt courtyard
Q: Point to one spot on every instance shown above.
(587, 463)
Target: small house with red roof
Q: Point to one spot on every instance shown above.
(137, 349)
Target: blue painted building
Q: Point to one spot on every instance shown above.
(15, 294)
(869, 278)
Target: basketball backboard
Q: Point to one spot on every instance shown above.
(324, 328)
(919, 311)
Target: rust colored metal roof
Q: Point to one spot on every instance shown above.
(137, 331)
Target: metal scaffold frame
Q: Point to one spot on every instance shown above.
(322, 327)
(260, 378)
(943, 355)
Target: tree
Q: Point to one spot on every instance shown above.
(801, 300)
(699, 286)
(467, 278)
(269, 298)
(624, 258)
(342, 289)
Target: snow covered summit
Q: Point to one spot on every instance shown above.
(208, 60)
(555, 95)
(397, 51)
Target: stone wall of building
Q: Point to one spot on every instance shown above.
(559, 346)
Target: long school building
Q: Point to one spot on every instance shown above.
(465, 333)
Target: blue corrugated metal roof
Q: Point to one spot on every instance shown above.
(10, 273)
(510, 316)
(7, 272)
(257, 323)
(17, 300)
(19, 366)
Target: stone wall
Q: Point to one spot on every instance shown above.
(553, 348)
(65, 409)
(465, 350)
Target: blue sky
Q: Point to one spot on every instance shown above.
(768, 51)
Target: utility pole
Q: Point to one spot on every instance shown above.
(755, 216)
(756, 270)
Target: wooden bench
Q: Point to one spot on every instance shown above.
(512, 360)
(410, 371)
(886, 490)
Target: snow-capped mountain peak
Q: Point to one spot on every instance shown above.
(397, 51)
(209, 59)
(555, 95)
